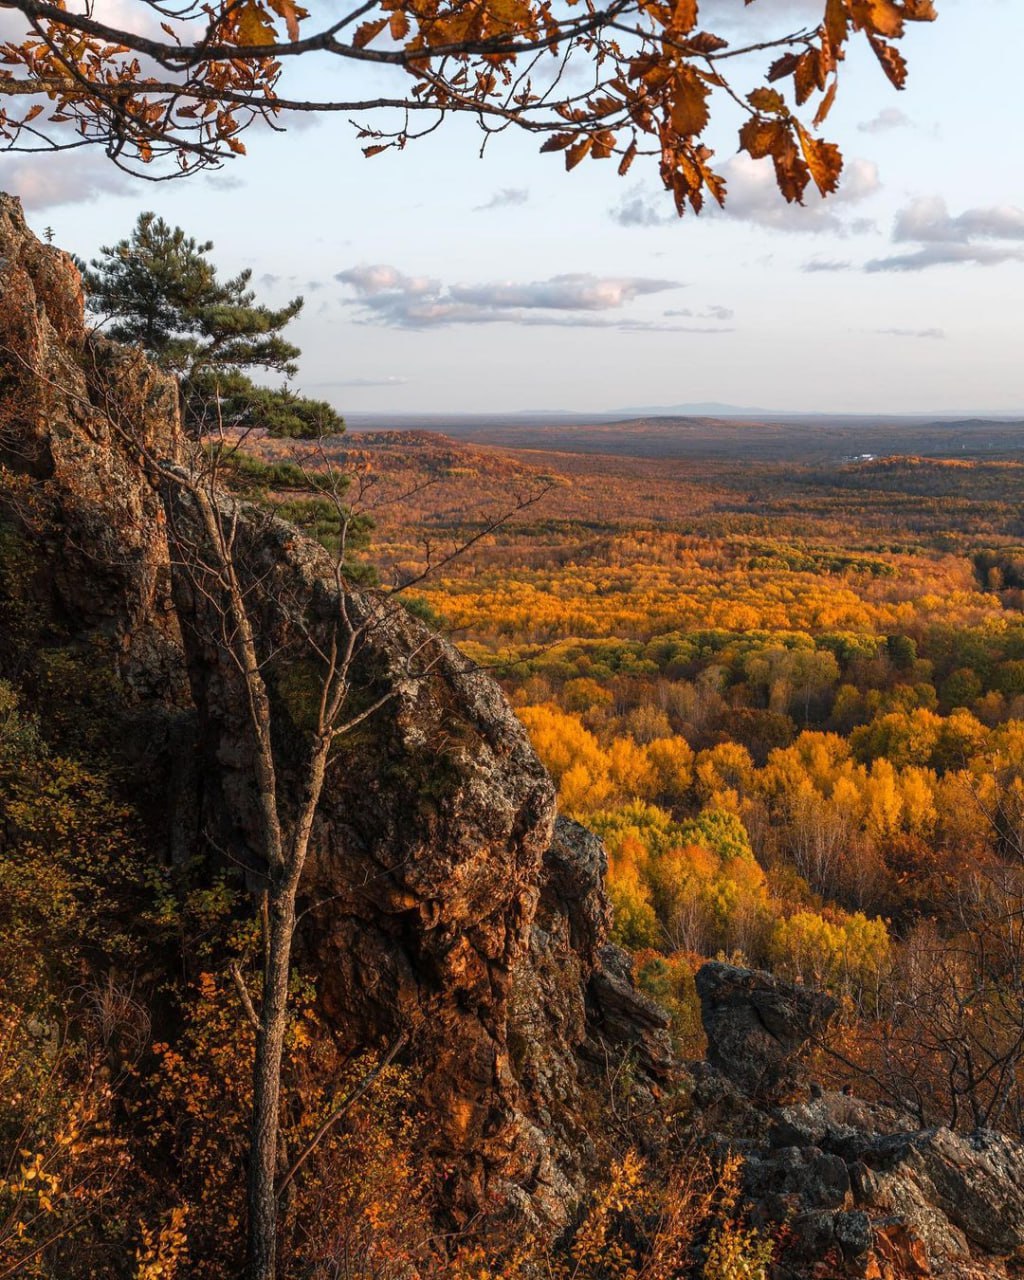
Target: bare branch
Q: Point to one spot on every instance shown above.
(342, 1109)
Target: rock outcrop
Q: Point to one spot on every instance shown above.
(99, 528)
(439, 900)
(756, 1025)
(857, 1185)
(442, 899)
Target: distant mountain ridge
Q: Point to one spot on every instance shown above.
(830, 440)
(463, 422)
(700, 409)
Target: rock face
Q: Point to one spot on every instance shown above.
(857, 1186)
(440, 898)
(756, 1025)
(101, 528)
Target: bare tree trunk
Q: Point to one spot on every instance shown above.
(262, 1194)
(273, 1022)
(207, 554)
(283, 835)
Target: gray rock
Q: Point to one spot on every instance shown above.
(853, 1233)
(797, 1180)
(624, 1020)
(841, 1172)
(976, 1181)
(836, 1122)
(756, 1024)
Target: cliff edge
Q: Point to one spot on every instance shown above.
(442, 899)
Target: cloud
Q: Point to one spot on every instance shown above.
(826, 264)
(385, 295)
(380, 280)
(125, 15)
(753, 196)
(506, 198)
(913, 333)
(653, 326)
(571, 292)
(887, 120)
(44, 182)
(640, 209)
(940, 239)
(709, 313)
(942, 255)
(391, 380)
(929, 219)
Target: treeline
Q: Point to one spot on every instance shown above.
(793, 709)
(643, 586)
(760, 688)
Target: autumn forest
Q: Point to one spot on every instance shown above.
(522, 843)
(773, 669)
(789, 695)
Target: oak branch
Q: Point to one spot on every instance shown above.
(173, 87)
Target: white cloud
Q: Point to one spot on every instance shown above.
(941, 255)
(377, 280)
(814, 265)
(386, 295)
(505, 198)
(708, 313)
(928, 218)
(571, 292)
(888, 119)
(43, 182)
(639, 208)
(753, 196)
(940, 239)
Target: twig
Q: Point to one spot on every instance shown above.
(361, 1089)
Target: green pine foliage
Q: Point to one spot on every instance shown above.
(158, 289)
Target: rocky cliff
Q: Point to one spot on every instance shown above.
(441, 899)
(859, 1190)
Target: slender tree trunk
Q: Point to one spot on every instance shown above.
(263, 1152)
(262, 1261)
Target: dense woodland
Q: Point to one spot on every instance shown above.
(787, 694)
(790, 697)
(792, 704)
(782, 681)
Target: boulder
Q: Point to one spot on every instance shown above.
(856, 1185)
(975, 1181)
(756, 1025)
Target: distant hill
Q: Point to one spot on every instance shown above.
(807, 438)
(701, 409)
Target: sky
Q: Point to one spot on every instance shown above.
(436, 280)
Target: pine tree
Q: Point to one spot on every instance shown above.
(159, 289)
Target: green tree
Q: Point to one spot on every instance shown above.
(159, 289)
(720, 831)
